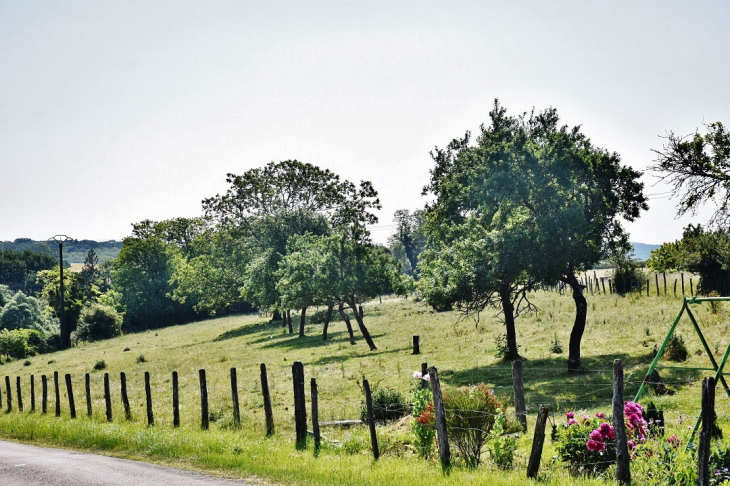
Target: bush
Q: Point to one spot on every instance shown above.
(555, 346)
(23, 312)
(627, 276)
(100, 365)
(503, 446)
(319, 316)
(676, 350)
(470, 417)
(388, 404)
(99, 322)
(53, 342)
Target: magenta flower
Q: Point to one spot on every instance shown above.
(586, 419)
(594, 445)
(596, 435)
(606, 431)
(674, 441)
(571, 422)
(601, 415)
(569, 415)
(633, 408)
(631, 444)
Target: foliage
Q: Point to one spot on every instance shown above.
(676, 350)
(627, 275)
(663, 462)
(74, 298)
(423, 425)
(18, 269)
(21, 343)
(698, 168)
(588, 444)
(388, 404)
(470, 415)
(5, 295)
(409, 239)
(503, 446)
(182, 233)
(24, 312)
(99, 322)
(555, 346)
(100, 365)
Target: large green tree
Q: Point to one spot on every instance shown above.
(409, 239)
(537, 194)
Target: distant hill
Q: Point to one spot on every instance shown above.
(74, 251)
(642, 251)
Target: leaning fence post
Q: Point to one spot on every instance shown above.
(424, 372)
(70, 391)
(107, 397)
(438, 404)
(234, 396)
(87, 380)
(125, 398)
(537, 443)
(8, 394)
(44, 394)
(300, 410)
(519, 393)
(175, 402)
(267, 401)
(416, 346)
(58, 394)
(623, 473)
(315, 414)
(148, 401)
(32, 393)
(371, 418)
(708, 415)
(20, 394)
(204, 424)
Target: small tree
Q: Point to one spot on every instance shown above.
(99, 322)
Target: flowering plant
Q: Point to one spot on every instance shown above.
(588, 444)
(424, 420)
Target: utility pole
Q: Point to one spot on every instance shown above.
(65, 334)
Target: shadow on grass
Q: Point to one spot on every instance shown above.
(548, 382)
(249, 329)
(293, 341)
(365, 354)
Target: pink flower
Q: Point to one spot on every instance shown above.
(426, 378)
(631, 444)
(571, 422)
(596, 435)
(569, 415)
(674, 441)
(417, 375)
(606, 431)
(586, 419)
(601, 415)
(594, 445)
(633, 408)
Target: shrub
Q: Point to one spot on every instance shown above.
(470, 415)
(319, 316)
(99, 322)
(503, 446)
(676, 350)
(555, 346)
(53, 342)
(13, 343)
(100, 365)
(141, 359)
(627, 275)
(388, 404)
(26, 363)
(424, 420)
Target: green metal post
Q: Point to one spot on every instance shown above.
(707, 350)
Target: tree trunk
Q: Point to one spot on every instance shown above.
(327, 318)
(302, 317)
(347, 323)
(361, 325)
(505, 297)
(276, 316)
(579, 326)
(288, 321)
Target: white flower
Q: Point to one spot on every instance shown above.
(426, 378)
(416, 375)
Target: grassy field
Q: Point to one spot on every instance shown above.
(629, 328)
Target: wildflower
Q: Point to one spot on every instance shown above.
(594, 445)
(674, 441)
(631, 444)
(607, 431)
(596, 435)
(569, 415)
(416, 375)
(633, 408)
(571, 422)
(601, 415)
(426, 378)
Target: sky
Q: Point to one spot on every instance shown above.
(118, 111)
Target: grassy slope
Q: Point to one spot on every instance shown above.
(626, 328)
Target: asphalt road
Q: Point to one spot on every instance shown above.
(24, 465)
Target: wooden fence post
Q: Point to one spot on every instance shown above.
(691, 288)
(519, 394)
(44, 394)
(537, 443)
(623, 473)
(603, 285)
(107, 398)
(675, 287)
(300, 410)
(70, 391)
(234, 397)
(87, 380)
(32, 393)
(647, 287)
(371, 419)
(438, 404)
(267, 401)
(58, 393)
(656, 279)
(8, 394)
(125, 398)
(148, 401)
(416, 346)
(664, 275)
(361, 313)
(20, 393)
(315, 414)
(708, 415)
(682, 275)
(424, 372)
(204, 424)
(175, 401)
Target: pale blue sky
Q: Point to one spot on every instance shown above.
(116, 111)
